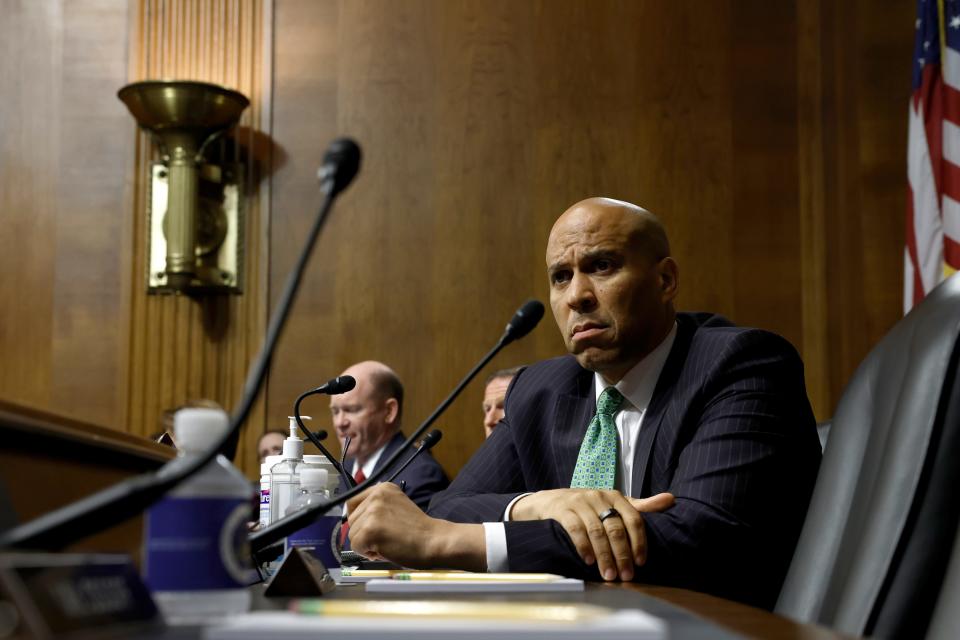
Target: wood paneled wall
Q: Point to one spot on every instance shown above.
(184, 349)
(78, 334)
(769, 136)
(66, 156)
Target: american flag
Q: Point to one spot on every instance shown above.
(933, 151)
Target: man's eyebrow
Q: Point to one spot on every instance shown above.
(600, 252)
(556, 266)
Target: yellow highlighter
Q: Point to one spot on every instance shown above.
(386, 573)
(517, 611)
(475, 577)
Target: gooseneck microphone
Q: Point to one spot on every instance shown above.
(123, 500)
(523, 321)
(426, 444)
(341, 162)
(340, 384)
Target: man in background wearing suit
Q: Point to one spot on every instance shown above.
(709, 420)
(370, 415)
(494, 395)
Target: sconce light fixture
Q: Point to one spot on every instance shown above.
(195, 204)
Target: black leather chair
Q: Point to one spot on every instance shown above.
(946, 617)
(883, 518)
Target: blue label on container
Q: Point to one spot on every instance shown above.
(194, 544)
(319, 539)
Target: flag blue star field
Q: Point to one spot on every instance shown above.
(933, 151)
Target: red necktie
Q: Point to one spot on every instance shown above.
(345, 529)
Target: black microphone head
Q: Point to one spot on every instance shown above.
(340, 384)
(431, 439)
(341, 162)
(321, 434)
(523, 321)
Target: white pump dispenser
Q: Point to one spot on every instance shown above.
(293, 445)
(285, 476)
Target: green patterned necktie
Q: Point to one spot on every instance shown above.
(597, 463)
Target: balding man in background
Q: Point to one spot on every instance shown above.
(494, 393)
(370, 415)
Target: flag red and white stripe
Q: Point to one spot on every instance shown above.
(933, 152)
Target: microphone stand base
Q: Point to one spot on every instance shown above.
(301, 575)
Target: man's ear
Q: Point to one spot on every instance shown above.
(669, 278)
(393, 409)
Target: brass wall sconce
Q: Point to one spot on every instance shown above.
(195, 205)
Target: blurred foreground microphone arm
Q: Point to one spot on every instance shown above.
(123, 500)
(523, 321)
(432, 438)
(340, 384)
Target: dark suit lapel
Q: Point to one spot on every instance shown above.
(392, 445)
(571, 416)
(660, 403)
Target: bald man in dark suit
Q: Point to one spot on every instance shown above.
(709, 421)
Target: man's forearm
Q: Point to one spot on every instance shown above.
(459, 546)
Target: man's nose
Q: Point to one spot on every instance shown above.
(580, 294)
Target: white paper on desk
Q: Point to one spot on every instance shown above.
(386, 585)
(284, 625)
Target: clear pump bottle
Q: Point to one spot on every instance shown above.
(285, 475)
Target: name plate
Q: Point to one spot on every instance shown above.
(73, 595)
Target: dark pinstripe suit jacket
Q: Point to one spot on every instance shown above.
(729, 432)
(423, 478)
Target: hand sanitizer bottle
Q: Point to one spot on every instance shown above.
(285, 475)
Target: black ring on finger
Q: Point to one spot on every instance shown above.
(610, 513)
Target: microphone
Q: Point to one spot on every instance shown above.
(431, 439)
(523, 321)
(341, 163)
(520, 325)
(340, 384)
(123, 500)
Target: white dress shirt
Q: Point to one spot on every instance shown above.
(637, 389)
(371, 462)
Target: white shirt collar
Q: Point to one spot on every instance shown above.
(638, 384)
(371, 462)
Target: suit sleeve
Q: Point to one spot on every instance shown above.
(747, 462)
(486, 485)
(423, 479)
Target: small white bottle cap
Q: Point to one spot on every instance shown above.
(198, 429)
(268, 463)
(313, 479)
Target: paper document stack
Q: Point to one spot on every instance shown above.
(405, 619)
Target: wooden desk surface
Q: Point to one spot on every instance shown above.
(745, 620)
(49, 460)
(691, 615)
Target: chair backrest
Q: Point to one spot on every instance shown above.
(946, 616)
(881, 523)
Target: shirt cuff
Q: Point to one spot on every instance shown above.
(506, 512)
(496, 537)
